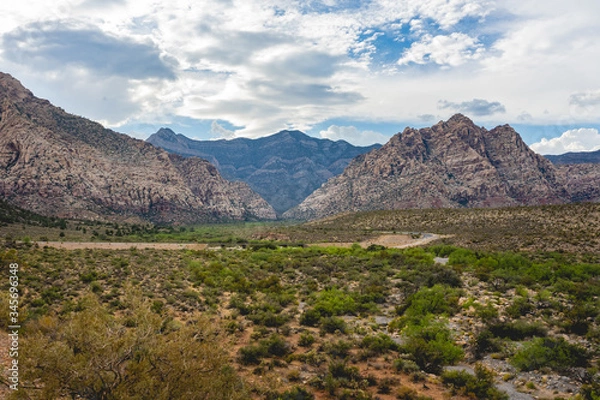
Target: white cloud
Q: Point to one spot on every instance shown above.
(219, 131)
(352, 135)
(453, 50)
(587, 98)
(267, 65)
(574, 140)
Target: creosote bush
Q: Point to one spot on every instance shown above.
(92, 354)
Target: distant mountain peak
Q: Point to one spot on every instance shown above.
(283, 168)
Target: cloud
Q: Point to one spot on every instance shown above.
(53, 45)
(477, 107)
(426, 117)
(219, 131)
(583, 139)
(353, 135)
(584, 99)
(446, 50)
(263, 66)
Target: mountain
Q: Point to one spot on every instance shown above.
(58, 164)
(283, 168)
(582, 181)
(452, 164)
(582, 157)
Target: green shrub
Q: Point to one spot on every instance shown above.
(557, 354)
(306, 339)
(518, 330)
(520, 307)
(378, 344)
(310, 317)
(276, 346)
(406, 366)
(462, 257)
(295, 393)
(406, 393)
(479, 386)
(430, 344)
(252, 354)
(333, 324)
(334, 302)
(438, 300)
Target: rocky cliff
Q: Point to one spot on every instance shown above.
(452, 164)
(283, 168)
(55, 163)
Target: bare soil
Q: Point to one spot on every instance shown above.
(123, 246)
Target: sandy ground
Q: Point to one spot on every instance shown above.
(398, 241)
(394, 241)
(123, 246)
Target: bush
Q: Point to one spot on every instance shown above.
(406, 393)
(557, 354)
(378, 344)
(92, 354)
(437, 300)
(276, 346)
(310, 317)
(295, 393)
(306, 339)
(406, 366)
(334, 302)
(430, 344)
(339, 349)
(479, 386)
(252, 354)
(333, 324)
(518, 330)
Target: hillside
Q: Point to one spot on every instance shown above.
(453, 164)
(283, 168)
(582, 157)
(57, 164)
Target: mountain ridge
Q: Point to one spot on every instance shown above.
(284, 168)
(55, 163)
(580, 157)
(451, 164)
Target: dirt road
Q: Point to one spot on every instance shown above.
(123, 246)
(397, 241)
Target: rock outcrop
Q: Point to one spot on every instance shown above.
(59, 164)
(283, 168)
(452, 164)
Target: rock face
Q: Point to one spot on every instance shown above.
(582, 181)
(55, 163)
(452, 164)
(283, 168)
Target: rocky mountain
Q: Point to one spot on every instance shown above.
(582, 157)
(582, 181)
(59, 164)
(283, 168)
(452, 164)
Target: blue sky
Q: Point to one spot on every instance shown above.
(340, 69)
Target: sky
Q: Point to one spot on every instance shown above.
(360, 71)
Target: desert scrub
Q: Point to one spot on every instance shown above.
(557, 354)
(430, 343)
(478, 386)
